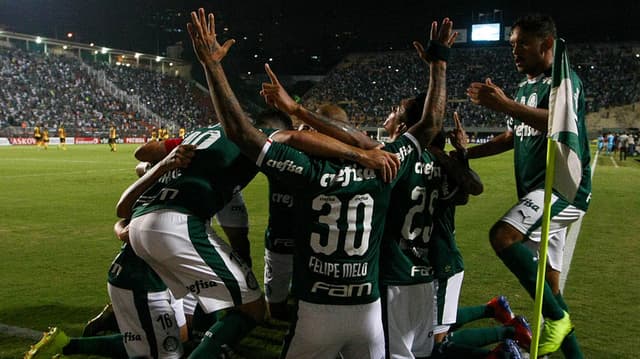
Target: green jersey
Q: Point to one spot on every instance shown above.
(341, 210)
(409, 224)
(530, 145)
(278, 237)
(128, 271)
(444, 254)
(217, 171)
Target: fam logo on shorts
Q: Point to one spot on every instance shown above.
(171, 344)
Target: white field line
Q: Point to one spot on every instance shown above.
(20, 332)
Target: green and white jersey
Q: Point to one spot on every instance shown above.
(128, 271)
(445, 256)
(341, 210)
(530, 145)
(216, 172)
(409, 224)
(280, 232)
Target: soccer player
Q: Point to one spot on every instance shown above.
(154, 134)
(163, 133)
(341, 204)
(113, 135)
(62, 134)
(516, 236)
(37, 135)
(45, 137)
(407, 279)
(600, 142)
(143, 306)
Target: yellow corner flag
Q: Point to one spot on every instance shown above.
(564, 168)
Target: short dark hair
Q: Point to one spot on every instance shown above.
(540, 25)
(273, 118)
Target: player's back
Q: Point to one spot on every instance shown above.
(216, 172)
(409, 225)
(341, 209)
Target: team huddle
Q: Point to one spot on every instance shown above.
(360, 253)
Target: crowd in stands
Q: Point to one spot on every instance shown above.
(169, 96)
(368, 84)
(51, 89)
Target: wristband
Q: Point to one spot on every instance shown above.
(437, 51)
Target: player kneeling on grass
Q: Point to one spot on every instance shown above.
(144, 308)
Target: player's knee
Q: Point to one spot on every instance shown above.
(503, 235)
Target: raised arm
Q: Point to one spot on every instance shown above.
(210, 54)
(275, 95)
(457, 166)
(436, 56)
(501, 143)
(180, 157)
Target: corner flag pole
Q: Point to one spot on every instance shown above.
(544, 244)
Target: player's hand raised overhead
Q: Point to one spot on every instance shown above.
(275, 95)
(203, 37)
(440, 40)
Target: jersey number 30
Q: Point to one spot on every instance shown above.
(359, 204)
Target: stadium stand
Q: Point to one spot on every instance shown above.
(87, 97)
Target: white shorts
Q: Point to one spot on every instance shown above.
(526, 217)
(448, 297)
(411, 318)
(178, 309)
(278, 269)
(190, 258)
(189, 303)
(327, 331)
(147, 323)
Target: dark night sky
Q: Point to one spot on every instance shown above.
(306, 27)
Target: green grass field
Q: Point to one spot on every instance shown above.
(57, 209)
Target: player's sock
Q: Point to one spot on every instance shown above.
(479, 337)
(469, 314)
(520, 262)
(570, 347)
(228, 330)
(110, 346)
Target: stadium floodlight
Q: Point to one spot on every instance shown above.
(158, 58)
(137, 55)
(92, 44)
(171, 64)
(65, 47)
(104, 50)
(38, 40)
(95, 52)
